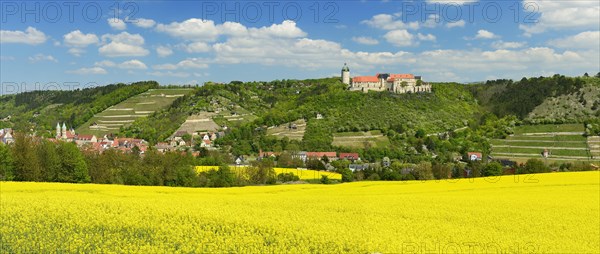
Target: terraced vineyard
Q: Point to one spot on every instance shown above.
(594, 145)
(563, 142)
(360, 139)
(126, 112)
(294, 130)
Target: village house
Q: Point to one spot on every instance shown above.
(349, 156)
(6, 136)
(85, 139)
(331, 156)
(474, 156)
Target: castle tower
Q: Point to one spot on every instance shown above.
(64, 131)
(346, 74)
(58, 130)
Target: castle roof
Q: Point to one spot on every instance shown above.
(388, 77)
(345, 68)
(397, 76)
(365, 79)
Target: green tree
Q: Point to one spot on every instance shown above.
(26, 162)
(492, 169)
(347, 174)
(284, 160)
(50, 161)
(314, 163)
(186, 137)
(6, 163)
(262, 172)
(325, 159)
(74, 168)
(422, 171)
(224, 177)
(441, 170)
(534, 166)
(419, 82)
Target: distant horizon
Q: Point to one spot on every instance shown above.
(7, 89)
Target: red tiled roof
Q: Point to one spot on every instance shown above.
(474, 153)
(70, 135)
(267, 154)
(365, 79)
(396, 76)
(352, 156)
(320, 154)
(85, 137)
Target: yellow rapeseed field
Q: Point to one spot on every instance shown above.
(303, 174)
(556, 212)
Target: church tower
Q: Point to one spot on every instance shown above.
(346, 74)
(58, 130)
(64, 131)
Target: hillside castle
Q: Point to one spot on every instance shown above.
(396, 83)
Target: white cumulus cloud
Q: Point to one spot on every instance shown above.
(561, 15)
(400, 38)
(365, 40)
(163, 51)
(141, 22)
(116, 23)
(133, 65)
(78, 39)
(123, 44)
(584, 40)
(508, 44)
(88, 71)
(485, 34)
(41, 58)
(426, 37)
(389, 22)
(460, 23)
(30, 36)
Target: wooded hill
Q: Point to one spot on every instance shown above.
(399, 117)
(556, 99)
(41, 110)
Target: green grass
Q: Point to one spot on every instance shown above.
(550, 144)
(549, 138)
(549, 128)
(536, 151)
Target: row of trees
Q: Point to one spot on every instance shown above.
(41, 110)
(34, 159)
(40, 160)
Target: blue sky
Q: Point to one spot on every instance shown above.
(58, 44)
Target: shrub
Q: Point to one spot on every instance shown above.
(492, 169)
(534, 166)
(287, 177)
